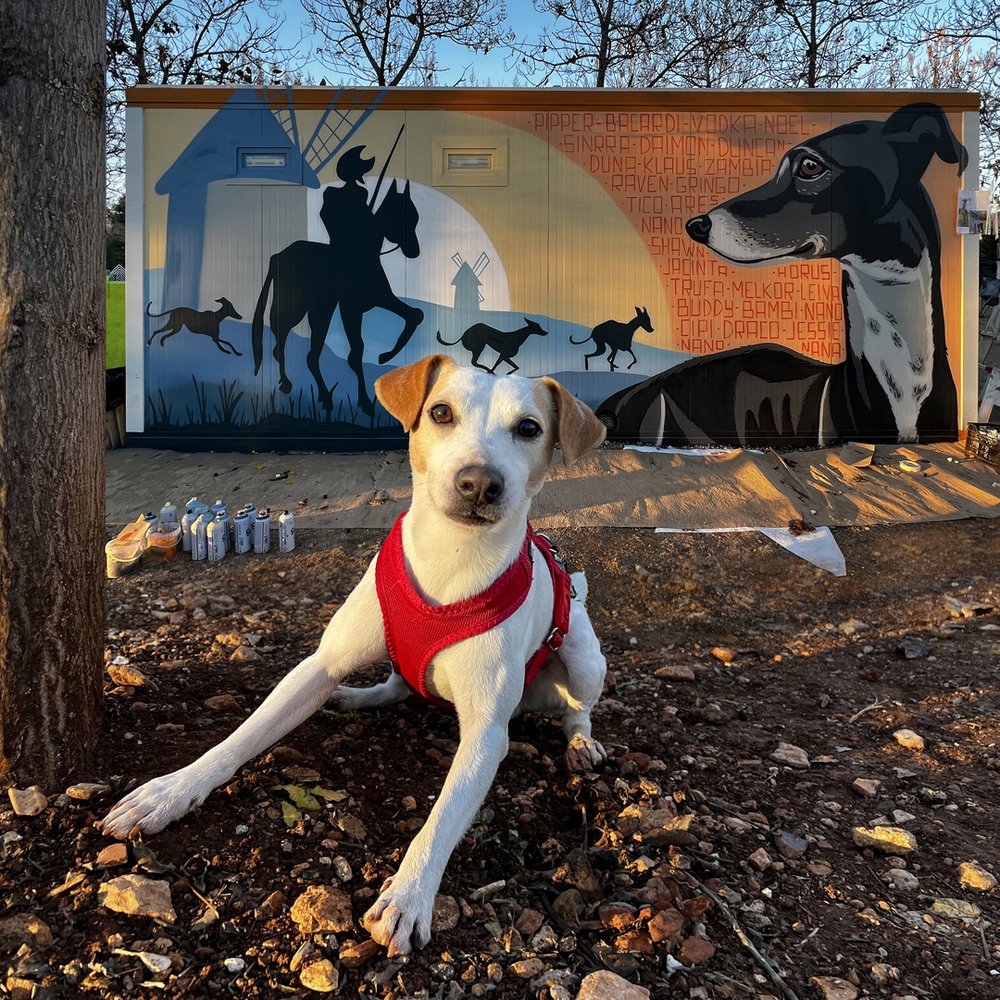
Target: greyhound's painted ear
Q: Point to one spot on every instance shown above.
(579, 429)
(403, 390)
(923, 130)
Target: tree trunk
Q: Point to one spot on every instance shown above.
(51, 387)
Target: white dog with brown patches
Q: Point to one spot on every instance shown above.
(480, 447)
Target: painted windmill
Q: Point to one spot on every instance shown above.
(468, 297)
(343, 116)
(219, 153)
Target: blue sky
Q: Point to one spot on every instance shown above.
(454, 61)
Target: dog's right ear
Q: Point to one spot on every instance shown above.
(403, 390)
(579, 429)
(923, 130)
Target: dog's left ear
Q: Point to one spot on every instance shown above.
(579, 429)
(403, 390)
(921, 131)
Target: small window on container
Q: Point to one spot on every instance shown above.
(263, 159)
(460, 162)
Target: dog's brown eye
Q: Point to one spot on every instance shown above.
(528, 429)
(441, 413)
(809, 169)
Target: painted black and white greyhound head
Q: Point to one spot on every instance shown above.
(845, 192)
(854, 194)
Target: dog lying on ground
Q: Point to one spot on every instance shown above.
(854, 195)
(207, 322)
(483, 591)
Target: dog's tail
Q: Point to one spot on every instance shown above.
(156, 315)
(584, 341)
(447, 343)
(257, 330)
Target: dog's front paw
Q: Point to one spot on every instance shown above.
(152, 806)
(400, 920)
(584, 753)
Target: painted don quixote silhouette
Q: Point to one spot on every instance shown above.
(309, 280)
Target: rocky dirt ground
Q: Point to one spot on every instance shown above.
(752, 714)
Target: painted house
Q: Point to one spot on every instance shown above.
(747, 268)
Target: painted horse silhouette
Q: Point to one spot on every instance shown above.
(310, 280)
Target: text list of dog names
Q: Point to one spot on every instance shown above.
(663, 168)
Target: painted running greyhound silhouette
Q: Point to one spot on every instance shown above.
(477, 338)
(617, 336)
(206, 322)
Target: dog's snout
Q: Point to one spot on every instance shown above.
(479, 484)
(699, 228)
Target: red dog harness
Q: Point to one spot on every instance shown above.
(415, 631)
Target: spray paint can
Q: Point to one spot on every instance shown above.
(218, 508)
(186, 521)
(215, 536)
(199, 537)
(242, 532)
(168, 514)
(286, 531)
(262, 531)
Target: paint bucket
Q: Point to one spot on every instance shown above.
(123, 552)
(161, 542)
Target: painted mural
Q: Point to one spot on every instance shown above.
(748, 278)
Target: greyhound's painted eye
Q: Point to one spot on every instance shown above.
(441, 413)
(528, 428)
(809, 168)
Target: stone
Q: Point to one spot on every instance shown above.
(444, 916)
(126, 676)
(320, 976)
(86, 790)
(27, 801)
(113, 855)
(866, 787)
(914, 649)
(634, 941)
(821, 869)
(760, 859)
(323, 908)
(695, 950)
(793, 756)
(138, 896)
(617, 916)
(832, 988)
(569, 907)
(902, 880)
(973, 876)
(234, 965)
(21, 988)
(245, 654)
(607, 985)
(887, 839)
(723, 655)
(355, 953)
(272, 905)
(790, 846)
(23, 928)
(674, 672)
(909, 739)
(527, 968)
(222, 703)
(528, 922)
(666, 925)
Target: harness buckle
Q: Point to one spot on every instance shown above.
(555, 638)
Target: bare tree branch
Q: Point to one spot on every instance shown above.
(387, 44)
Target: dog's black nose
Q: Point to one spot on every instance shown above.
(698, 228)
(479, 484)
